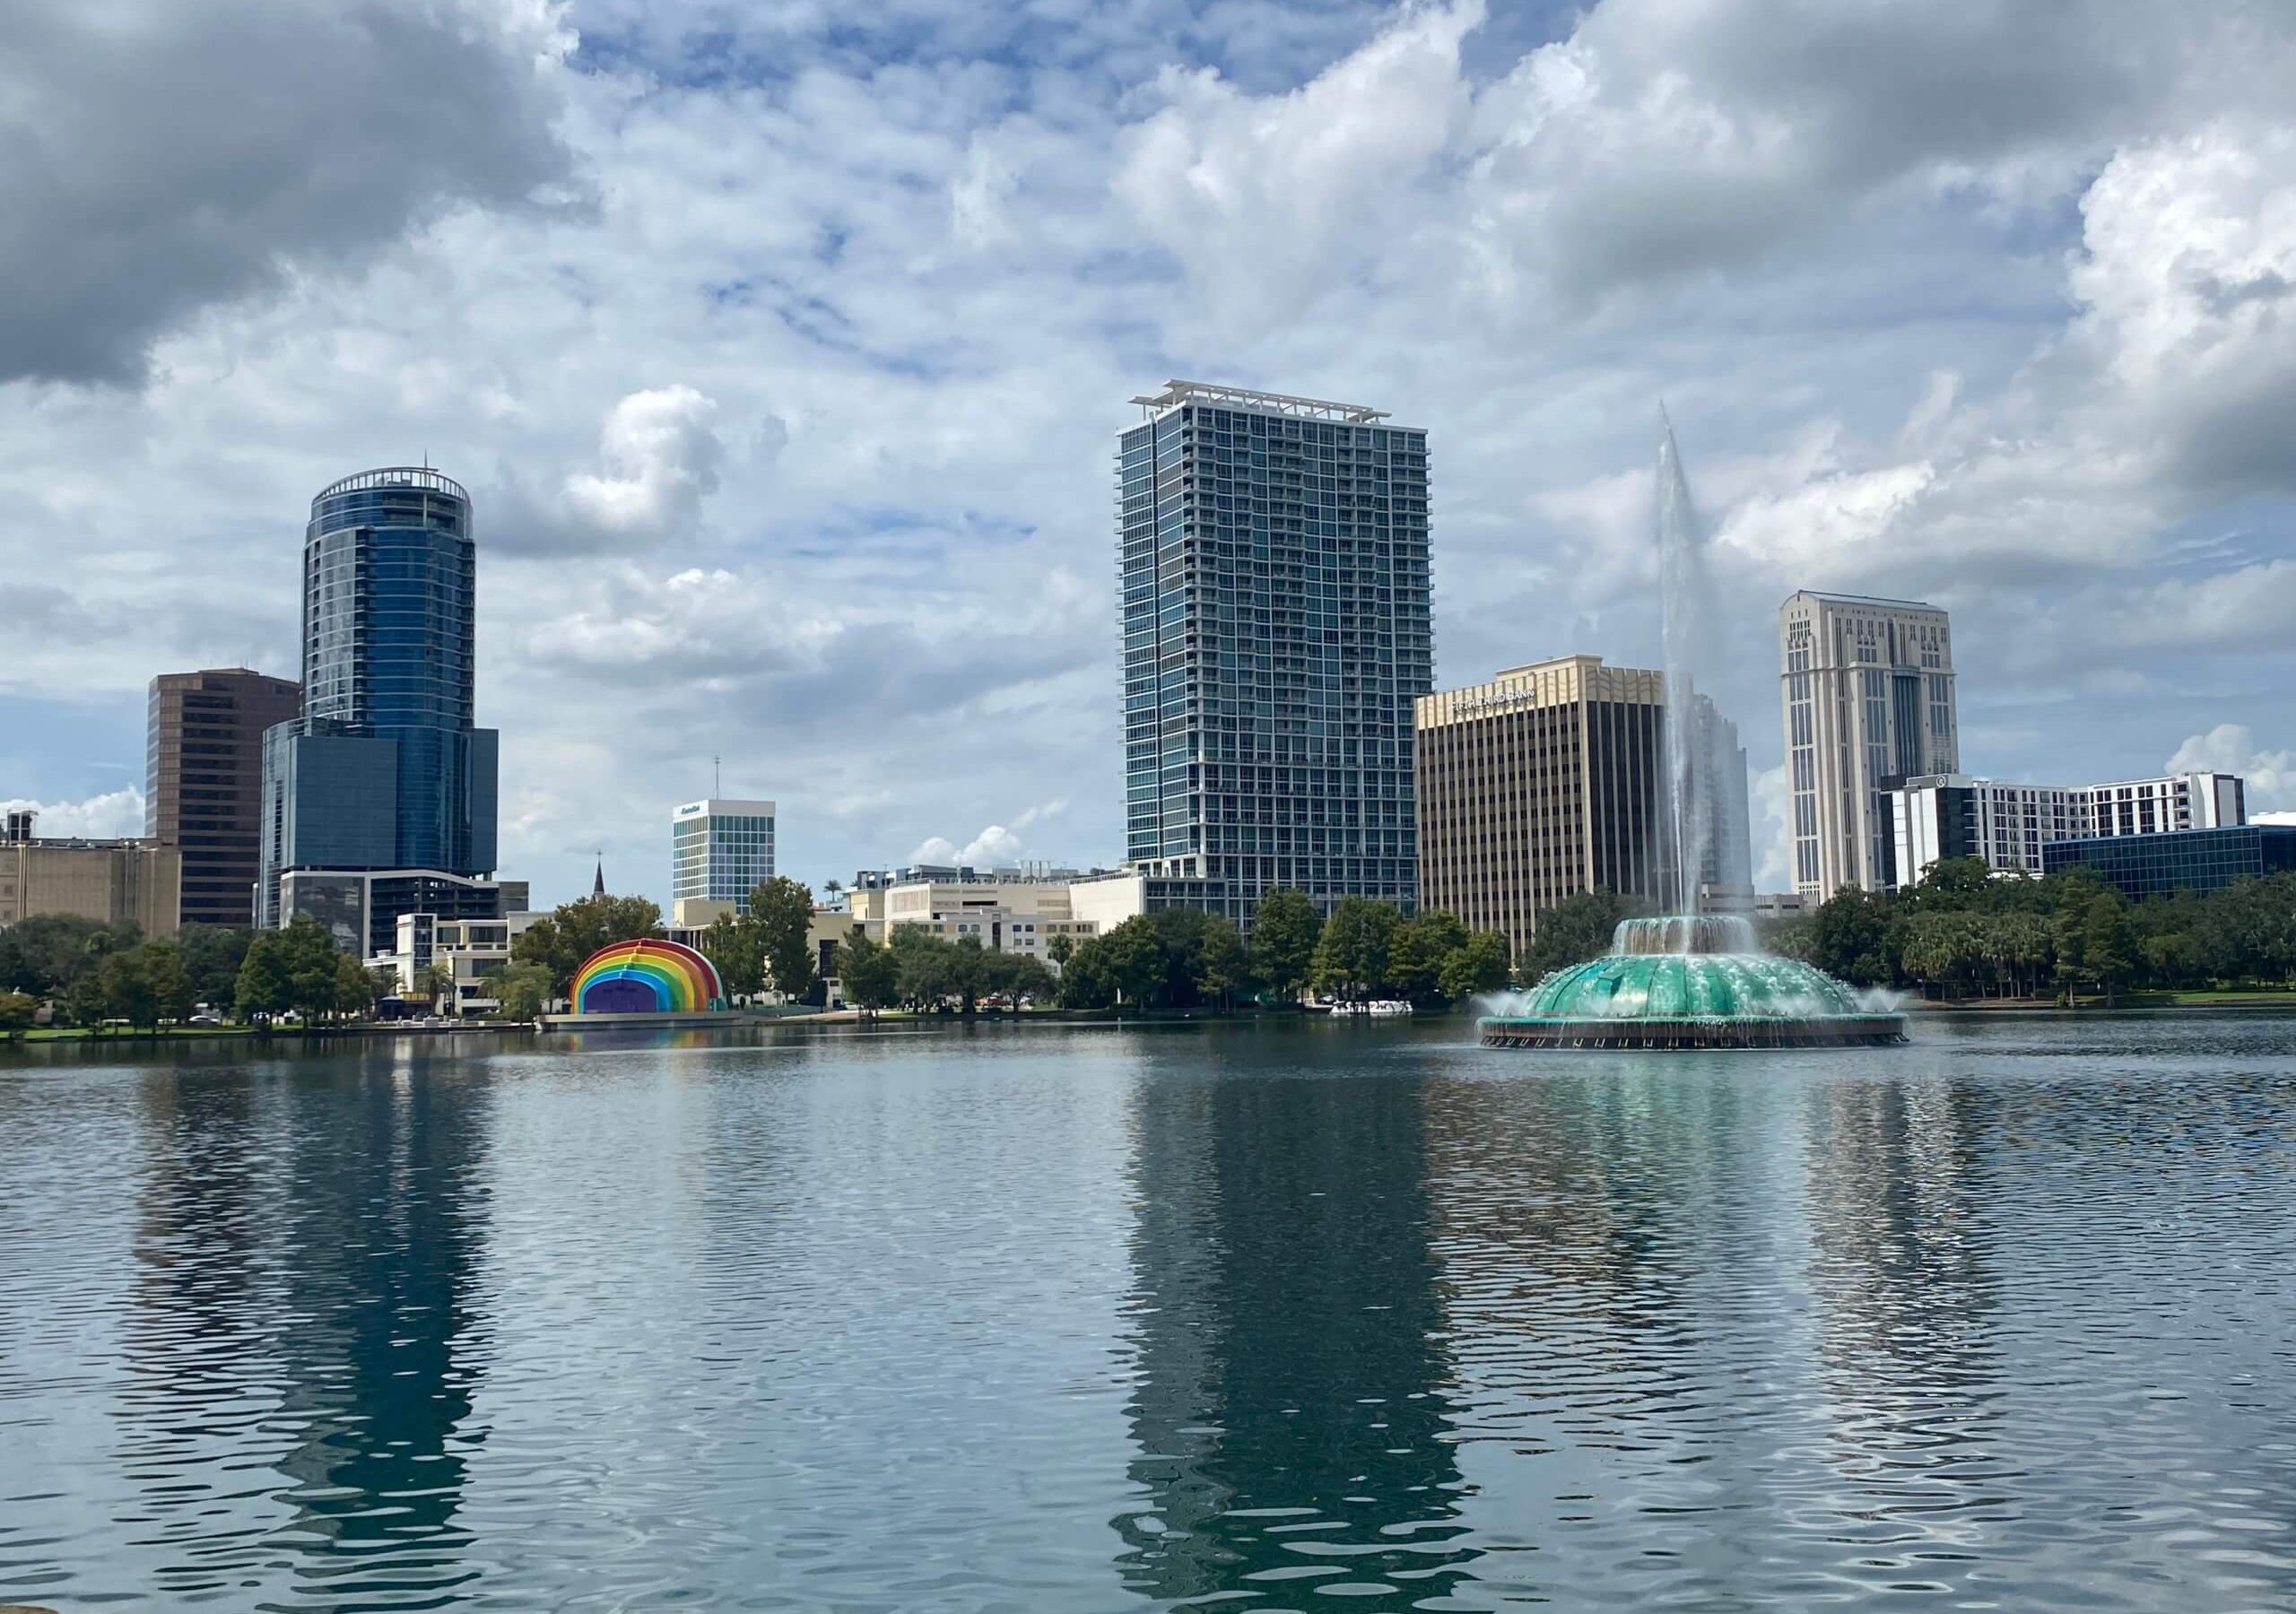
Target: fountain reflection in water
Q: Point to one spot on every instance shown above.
(1688, 979)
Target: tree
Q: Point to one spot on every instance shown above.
(1351, 959)
(1224, 967)
(1019, 976)
(781, 910)
(1286, 929)
(1478, 965)
(262, 989)
(314, 969)
(1060, 950)
(523, 990)
(1182, 934)
(382, 982)
(733, 946)
(48, 954)
(972, 970)
(1578, 928)
(1852, 937)
(869, 973)
(1952, 882)
(125, 982)
(1086, 981)
(1423, 944)
(143, 985)
(435, 984)
(564, 939)
(1138, 964)
(922, 967)
(354, 987)
(18, 1010)
(2105, 953)
(212, 956)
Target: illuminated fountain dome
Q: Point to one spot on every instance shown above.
(1692, 983)
(647, 977)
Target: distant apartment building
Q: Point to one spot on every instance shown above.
(1011, 911)
(1955, 815)
(203, 792)
(2167, 862)
(124, 881)
(471, 951)
(1272, 563)
(720, 848)
(1867, 688)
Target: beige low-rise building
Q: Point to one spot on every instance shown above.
(128, 881)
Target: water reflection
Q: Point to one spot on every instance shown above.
(307, 1251)
(1290, 1414)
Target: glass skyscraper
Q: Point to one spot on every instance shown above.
(383, 770)
(1272, 559)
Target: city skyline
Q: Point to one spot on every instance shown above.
(819, 476)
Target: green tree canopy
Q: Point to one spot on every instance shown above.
(523, 990)
(734, 946)
(1576, 928)
(1351, 958)
(869, 974)
(781, 911)
(1285, 929)
(564, 939)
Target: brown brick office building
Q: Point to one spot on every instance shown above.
(1537, 785)
(204, 782)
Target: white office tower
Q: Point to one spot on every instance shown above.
(718, 850)
(1867, 690)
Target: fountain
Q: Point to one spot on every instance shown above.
(1688, 980)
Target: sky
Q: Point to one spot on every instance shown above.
(783, 345)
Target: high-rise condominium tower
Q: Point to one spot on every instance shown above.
(1272, 555)
(384, 770)
(203, 789)
(1867, 690)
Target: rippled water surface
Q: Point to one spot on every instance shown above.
(1303, 1317)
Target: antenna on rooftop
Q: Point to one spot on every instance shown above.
(716, 779)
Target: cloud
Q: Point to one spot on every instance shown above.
(157, 158)
(661, 459)
(995, 848)
(2231, 748)
(113, 814)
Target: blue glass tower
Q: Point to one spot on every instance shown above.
(385, 770)
(1273, 558)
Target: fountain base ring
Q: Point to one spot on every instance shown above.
(1828, 1031)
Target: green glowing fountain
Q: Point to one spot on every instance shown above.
(1690, 983)
(1696, 981)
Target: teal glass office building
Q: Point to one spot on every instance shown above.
(1273, 561)
(385, 769)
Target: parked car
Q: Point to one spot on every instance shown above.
(204, 1020)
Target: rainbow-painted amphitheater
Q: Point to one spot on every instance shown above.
(647, 977)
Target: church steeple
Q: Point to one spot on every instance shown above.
(598, 885)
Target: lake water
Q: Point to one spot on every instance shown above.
(1295, 1317)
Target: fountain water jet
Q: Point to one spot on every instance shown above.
(1688, 980)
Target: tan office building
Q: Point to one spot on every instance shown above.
(113, 882)
(203, 790)
(1535, 786)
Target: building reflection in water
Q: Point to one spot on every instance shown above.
(1906, 1299)
(1290, 1411)
(382, 1346)
(305, 1324)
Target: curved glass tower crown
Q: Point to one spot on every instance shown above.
(383, 770)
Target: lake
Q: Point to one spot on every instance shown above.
(1285, 1317)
